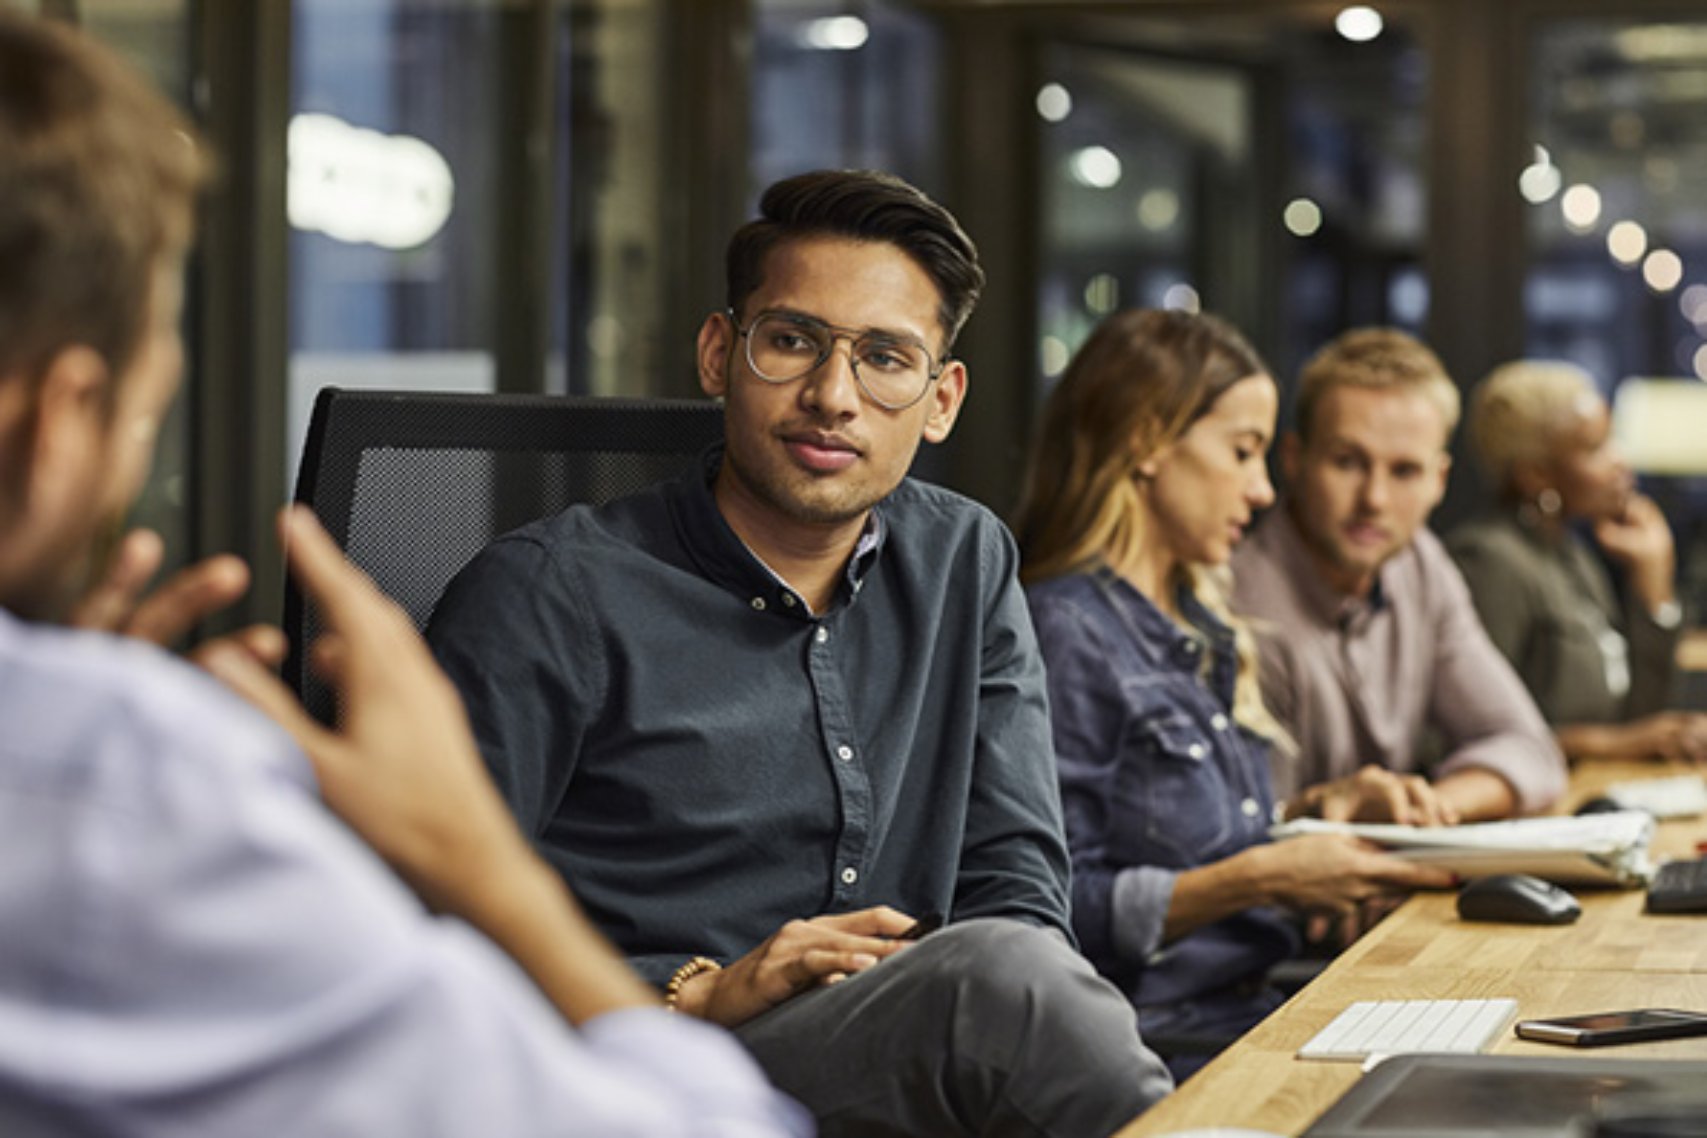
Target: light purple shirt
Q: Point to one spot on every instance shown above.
(190, 944)
(1358, 679)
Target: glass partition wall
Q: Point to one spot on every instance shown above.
(1262, 167)
(533, 195)
(474, 197)
(1617, 277)
(1617, 226)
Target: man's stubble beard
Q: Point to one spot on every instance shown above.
(774, 492)
(55, 596)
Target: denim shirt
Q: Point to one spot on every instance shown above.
(1156, 778)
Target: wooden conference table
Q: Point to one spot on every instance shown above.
(1615, 956)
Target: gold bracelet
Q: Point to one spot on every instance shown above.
(673, 989)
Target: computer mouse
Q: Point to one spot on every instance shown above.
(1518, 898)
(1600, 804)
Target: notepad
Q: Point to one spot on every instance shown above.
(1409, 1027)
(1677, 796)
(1593, 849)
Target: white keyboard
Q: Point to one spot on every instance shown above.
(1400, 1027)
(1681, 796)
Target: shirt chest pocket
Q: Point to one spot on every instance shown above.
(1187, 813)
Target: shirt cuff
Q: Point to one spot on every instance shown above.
(1139, 905)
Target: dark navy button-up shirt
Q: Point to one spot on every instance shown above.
(703, 758)
(1156, 778)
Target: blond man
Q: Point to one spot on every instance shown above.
(1371, 646)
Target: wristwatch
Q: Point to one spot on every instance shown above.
(1668, 615)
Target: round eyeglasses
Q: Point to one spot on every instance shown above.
(893, 371)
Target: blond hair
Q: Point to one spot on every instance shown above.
(1140, 381)
(1384, 358)
(1518, 410)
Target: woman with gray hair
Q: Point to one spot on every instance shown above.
(1600, 668)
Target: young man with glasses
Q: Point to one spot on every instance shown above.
(765, 718)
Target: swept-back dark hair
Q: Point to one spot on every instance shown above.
(862, 205)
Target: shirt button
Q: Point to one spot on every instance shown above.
(850, 875)
(788, 599)
(844, 753)
(758, 604)
(1250, 807)
(1195, 750)
(1219, 722)
(821, 635)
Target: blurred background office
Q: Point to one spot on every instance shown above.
(533, 195)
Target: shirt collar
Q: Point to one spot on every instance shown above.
(724, 558)
(1165, 642)
(1326, 603)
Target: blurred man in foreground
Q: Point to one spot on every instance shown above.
(193, 944)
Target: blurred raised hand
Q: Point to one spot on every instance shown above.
(120, 602)
(401, 768)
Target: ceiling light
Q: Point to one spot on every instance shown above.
(1581, 207)
(1627, 241)
(1054, 102)
(1097, 167)
(1302, 217)
(1359, 23)
(835, 33)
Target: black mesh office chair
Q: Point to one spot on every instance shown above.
(413, 484)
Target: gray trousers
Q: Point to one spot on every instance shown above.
(990, 1027)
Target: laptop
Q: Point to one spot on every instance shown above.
(1500, 1096)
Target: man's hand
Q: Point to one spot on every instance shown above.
(1672, 735)
(401, 768)
(799, 956)
(1376, 794)
(1640, 540)
(117, 603)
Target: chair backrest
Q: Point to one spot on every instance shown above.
(413, 484)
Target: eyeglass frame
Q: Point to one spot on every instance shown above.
(837, 332)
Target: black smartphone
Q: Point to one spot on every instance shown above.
(925, 925)
(1603, 1028)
